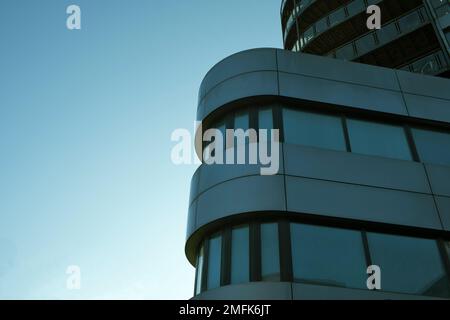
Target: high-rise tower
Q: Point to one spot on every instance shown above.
(364, 175)
(415, 34)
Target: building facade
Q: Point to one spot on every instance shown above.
(414, 36)
(364, 179)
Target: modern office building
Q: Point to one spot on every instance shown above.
(364, 176)
(415, 34)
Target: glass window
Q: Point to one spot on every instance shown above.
(387, 33)
(328, 256)
(337, 16)
(346, 52)
(240, 255)
(428, 65)
(270, 255)
(208, 150)
(241, 120)
(378, 139)
(365, 44)
(214, 260)
(266, 122)
(409, 22)
(432, 146)
(199, 271)
(312, 129)
(409, 265)
(265, 118)
(321, 25)
(356, 7)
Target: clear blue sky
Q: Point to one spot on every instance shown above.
(85, 121)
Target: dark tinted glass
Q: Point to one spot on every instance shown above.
(312, 129)
(432, 146)
(378, 139)
(270, 255)
(199, 271)
(409, 265)
(240, 255)
(387, 33)
(241, 120)
(346, 52)
(328, 256)
(355, 7)
(409, 22)
(365, 44)
(214, 260)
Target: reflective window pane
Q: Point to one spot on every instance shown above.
(378, 139)
(346, 52)
(266, 123)
(356, 7)
(432, 146)
(328, 256)
(311, 129)
(337, 16)
(240, 255)
(321, 25)
(409, 22)
(241, 120)
(409, 265)
(270, 256)
(387, 33)
(265, 118)
(365, 44)
(214, 260)
(199, 271)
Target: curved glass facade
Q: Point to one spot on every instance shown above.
(322, 255)
(346, 133)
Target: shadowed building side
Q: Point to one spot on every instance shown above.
(414, 36)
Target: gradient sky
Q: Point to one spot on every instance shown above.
(85, 122)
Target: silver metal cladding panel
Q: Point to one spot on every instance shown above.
(246, 194)
(314, 292)
(428, 107)
(439, 178)
(354, 168)
(303, 76)
(344, 71)
(424, 85)
(250, 291)
(216, 174)
(257, 83)
(239, 63)
(345, 200)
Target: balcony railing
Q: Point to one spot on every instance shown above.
(335, 18)
(388, 33)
